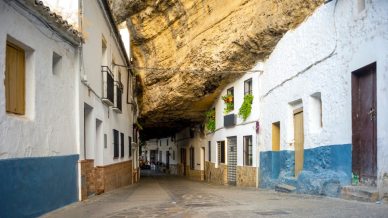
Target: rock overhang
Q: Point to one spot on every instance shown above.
(184, 50)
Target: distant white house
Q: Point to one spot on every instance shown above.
(161, 152)
(38, 120)
(231, 149)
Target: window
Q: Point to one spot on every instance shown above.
(105, 141)
(248, 150)
(57, 63)
(129, 146)
(209, 148)
(248, 87)
(316, 112)
(173, 155)
(134, 134)
(160, 156)
(167, 141)
(122, 144)
(118, 106)
(221, 152)
(276, 136)
(230, 92)
(108, 91)
(15, 79)
(192, 166)
(115, 143)
(360, 6)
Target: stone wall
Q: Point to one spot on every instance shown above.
(216, 175)
(100, 179)
(114, 176)
(197, 175)
(88, 178)
(246, 176)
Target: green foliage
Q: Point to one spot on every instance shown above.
(229, 104)
(211, 120)
(246, 107)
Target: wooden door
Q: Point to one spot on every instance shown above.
(167, 159)
(203, 162)
(232, 160)
(364, 140)
(183, 160)
(298, 140)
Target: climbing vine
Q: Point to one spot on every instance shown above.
(229, 104)
(246, 107)
(211, 120)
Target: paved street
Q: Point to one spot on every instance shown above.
(167, 196)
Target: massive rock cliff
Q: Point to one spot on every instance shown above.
(191, 43)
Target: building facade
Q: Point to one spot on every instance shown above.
(322, 102)
(107, 109)
(38, 137)
(161, 154)
(231, 148)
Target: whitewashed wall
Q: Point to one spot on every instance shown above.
(334, 42)
(96, 26)
(242, 128)
(49, 126)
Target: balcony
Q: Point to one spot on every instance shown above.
(107, 86)
(229, 120)
(118, 106)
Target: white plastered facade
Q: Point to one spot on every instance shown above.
(48, 127)
(101, 119)
(319, 56)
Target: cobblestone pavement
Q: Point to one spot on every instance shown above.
(167, 196)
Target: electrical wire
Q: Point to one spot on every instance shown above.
(132, 67)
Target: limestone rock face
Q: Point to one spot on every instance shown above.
(193, 41)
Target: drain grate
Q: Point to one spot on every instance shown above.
(272, 212)
(199, 205)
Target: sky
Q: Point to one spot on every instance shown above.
(68, 9)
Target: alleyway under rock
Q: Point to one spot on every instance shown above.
(158, 195)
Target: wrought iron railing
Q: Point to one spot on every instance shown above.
(108, 86)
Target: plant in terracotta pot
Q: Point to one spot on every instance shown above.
(229, 103)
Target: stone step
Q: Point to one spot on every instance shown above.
(292, 181)
(360, 193)
(285, 188)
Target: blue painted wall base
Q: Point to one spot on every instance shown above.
(325, 169)
(30, 187)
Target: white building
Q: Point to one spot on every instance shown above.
(314, 132)
(106, 104)
(38, 122)
(231, 149)
(163, 152)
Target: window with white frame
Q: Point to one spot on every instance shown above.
(248, 154)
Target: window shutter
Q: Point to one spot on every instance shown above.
(15, 79)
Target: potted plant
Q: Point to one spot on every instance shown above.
(229, 103)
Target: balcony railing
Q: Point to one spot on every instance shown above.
(118, 105)
(107, 85)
